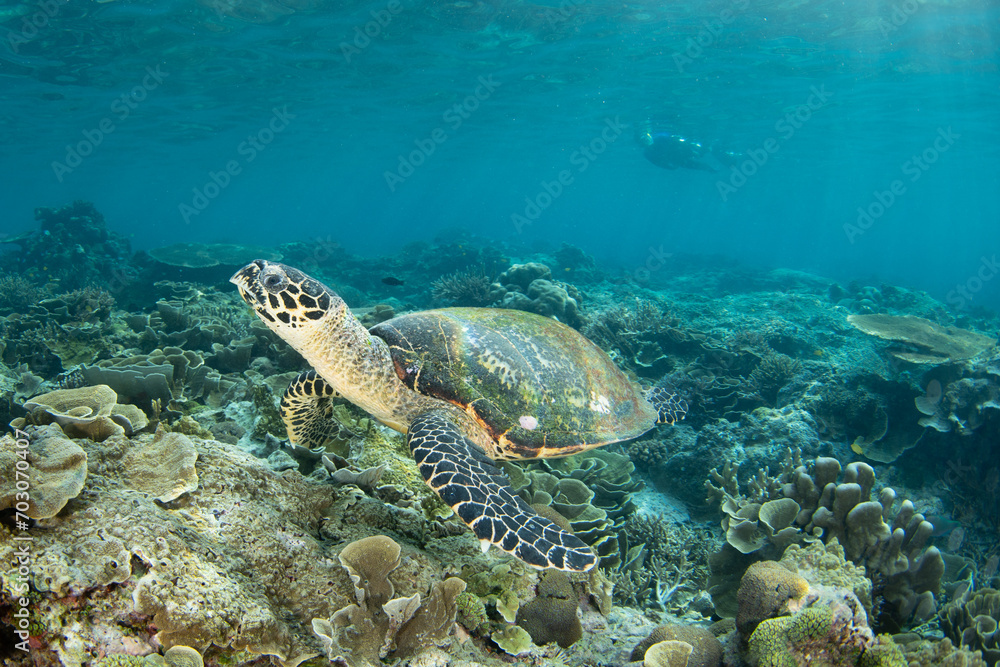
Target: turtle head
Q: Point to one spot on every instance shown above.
(290, 303)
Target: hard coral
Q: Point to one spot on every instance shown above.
(706, 649)
(192, 584)
(767, 590)
(464, 288)
(897, 552)
(58, 471)
(362, 634)
(928, 343)
(669, 653)
(85, 412)
(552, 615)
(972, 620)
(17, 293)
(819, 636)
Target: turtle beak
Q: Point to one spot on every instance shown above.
(246, 278)
(247, 274)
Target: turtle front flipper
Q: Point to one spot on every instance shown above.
(670, 408)
(481, 496)
(307, 410)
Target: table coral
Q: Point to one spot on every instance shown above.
(929, 343)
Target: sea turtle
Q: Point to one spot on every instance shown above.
(467, 386)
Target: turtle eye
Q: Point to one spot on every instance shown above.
(274, 282)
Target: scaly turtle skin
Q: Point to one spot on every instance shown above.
(467, 386)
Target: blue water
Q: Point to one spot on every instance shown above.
(198, 79)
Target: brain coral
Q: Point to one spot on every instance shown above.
(767, 590)
(706, 649)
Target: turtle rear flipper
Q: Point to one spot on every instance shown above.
(670, 408)
(307, 410)
(481, 496)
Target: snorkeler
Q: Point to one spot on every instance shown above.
(673, 151)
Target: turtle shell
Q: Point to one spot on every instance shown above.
(538, 387)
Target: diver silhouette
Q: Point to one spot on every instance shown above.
(674, 151)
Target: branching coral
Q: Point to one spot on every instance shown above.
(772, 373)
(664, 566)
(17, 293)
(464, 288)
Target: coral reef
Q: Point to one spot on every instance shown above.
(58, 471)
(646, 337)
(924, 342)
(551, 616)
(73, 248)
(530, 287)
(464, 288)
(664, 565)
(806, 503)
(815, 636)
(768, 589)
(243, 518)
(706, 649)
(910, 571)
(922, 653)
(380, 625)
(84, 412)
(211, 540)
(971, 621)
